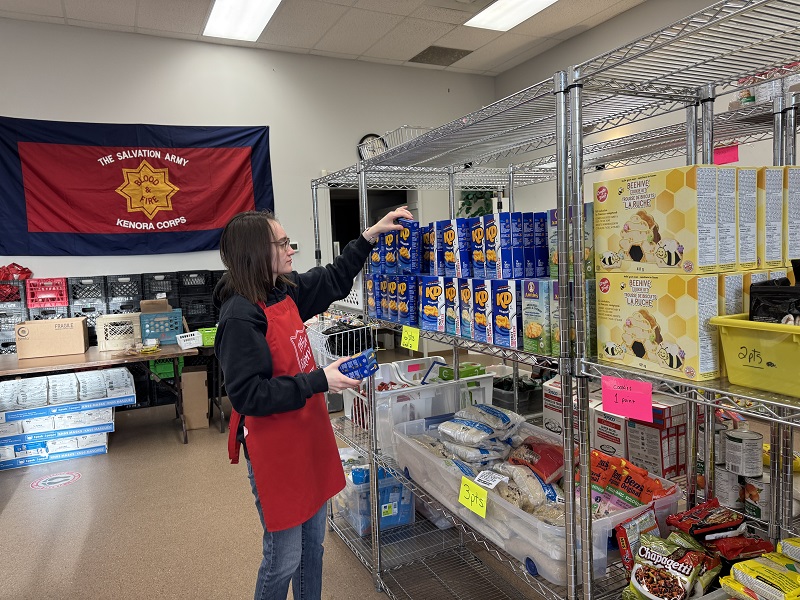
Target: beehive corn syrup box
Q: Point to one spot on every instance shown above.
(665, 221)
(588, 240)
(726, 219)
(407, 302)
(465, 296)
(731, 293)
(478, 250)
(452, 310)
(770, 217)
(408, 250)
(482, 311)
(431, 303)
(659, 322)
(746, 218)
(791, 215)
(506, 302)
(536, 316)
(457, 249)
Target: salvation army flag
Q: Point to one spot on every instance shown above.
(106, 189)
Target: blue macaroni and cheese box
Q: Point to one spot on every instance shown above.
(408, 250)
(478, 250)
(438, 259)
(465, 296)
(482, 310)
(407, 303)
(536, 316)
(457, 249)
(371, 304)
(529, 267)
(512, 263)
(384, 296)
(392, 286)
(516, 230)
(377, 256)
(540, 220)
(506, 312)
(431, 303)
(491, 244)
(452, 321)
(527, 230)
(390, 252)
(358, 360)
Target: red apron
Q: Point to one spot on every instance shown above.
(294, 455)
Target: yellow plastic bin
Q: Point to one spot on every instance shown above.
(763, 356)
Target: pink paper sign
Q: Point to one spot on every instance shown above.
(726, 155)
(628, 398)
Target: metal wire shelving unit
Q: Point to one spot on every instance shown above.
(730, 45)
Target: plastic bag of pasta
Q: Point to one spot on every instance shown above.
(662, 571)
(497, 418)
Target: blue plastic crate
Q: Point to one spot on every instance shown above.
(163, 327)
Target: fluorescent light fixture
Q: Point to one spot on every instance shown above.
(506, 14)
(240, 19)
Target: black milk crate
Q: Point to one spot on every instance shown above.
(160, 285)
(217, 275)
(91, 309)
(12, 313)
(198, 311)
(122, 306)
(124, 286)
(195, 283)
(55, 312)
(13, 291)
(87, 288)
(8, 342)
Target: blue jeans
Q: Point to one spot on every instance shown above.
(291, 555)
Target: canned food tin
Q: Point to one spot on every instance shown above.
(757, 494)
(728, 488)
(719, 443)
(743, 453)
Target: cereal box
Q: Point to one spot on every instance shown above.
(516, 230)
(431, 303)
(726, 218)
(392, 291)
(664, 221)
(791, 215)
(506, 302)
(390, 245)
(749, 278)
(478, 252)
(770, 217)
(491, 244)
(527, 230)
(482, 310)
(659, 322)
(457, 249)
(465, 295)
(452, 309)
(746, 218)
(536, 316)
(407, 303)
(408, 250)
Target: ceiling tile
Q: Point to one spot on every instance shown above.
(301, 23)
(498, 51)
(560, 16)
(278, 48)
(357, 31)
(408, 39)
(41, 8)
(180, 36)
(180, 16)
(30, 17)
(113, 12)
(333, 54)
(525, 56)
(611, 12)
(105, 26)
(393, 7)
(424, 66)
(443, 15)
(468, 38)
(465, 71)
(383, 61)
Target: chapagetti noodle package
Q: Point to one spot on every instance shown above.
(658, 222)
(659, 323)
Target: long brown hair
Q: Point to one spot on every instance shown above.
(247, 249)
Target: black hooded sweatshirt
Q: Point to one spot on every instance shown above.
(241, 345)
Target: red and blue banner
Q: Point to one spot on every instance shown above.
(108, 189)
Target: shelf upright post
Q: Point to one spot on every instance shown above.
(778, 107)
(515, 366)
(562, 192)
(578, 300)
(315, 212)
(451, 187)
(691, 406)
(370, 391)
(707, 97)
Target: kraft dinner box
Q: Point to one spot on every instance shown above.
(52, 337)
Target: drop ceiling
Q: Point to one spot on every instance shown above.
(381, 31)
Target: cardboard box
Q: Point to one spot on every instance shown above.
(609, 432)
(731, 293)
(746, 218)
(770, 217)
(660, 323)
(665, 221)
(407, 301)
(536, 316)
(195, 397)
(791, 215)
(53, 337)
(552, 405)
(726, 218)
(660, 451)
(154, 306)
(457, 239)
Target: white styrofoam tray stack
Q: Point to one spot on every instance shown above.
(32, 393)
(62, 388)
(92, 385)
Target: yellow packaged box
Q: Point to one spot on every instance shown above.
(746, 218)
(767, 579)
(791, 215)
(770, 217)
(658, 222)
(52, 337)
(726, 219)
(660, 323)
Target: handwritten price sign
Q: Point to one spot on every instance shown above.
(628, 398)
(410, 338)
(473, 496)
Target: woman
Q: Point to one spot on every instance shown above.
(276, 389)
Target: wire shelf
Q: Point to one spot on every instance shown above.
(332, 338)
(351, 434)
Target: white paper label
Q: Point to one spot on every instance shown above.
(490, 479)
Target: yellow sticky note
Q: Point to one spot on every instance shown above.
(410, 338)
(473, 496)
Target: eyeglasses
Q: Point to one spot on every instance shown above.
(283, 243)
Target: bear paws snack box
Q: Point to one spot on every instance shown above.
(661, 222)
(659, 323)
